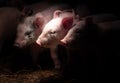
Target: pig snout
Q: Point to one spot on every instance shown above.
(65, 41)
(38, 42)
(46, 42)
(19, 43)
(42, 42)
(16, 44)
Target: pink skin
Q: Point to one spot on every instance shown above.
(8, 23)
(54, 31)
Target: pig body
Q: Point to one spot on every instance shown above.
(54, 31)
(8, 24)
(103, 17)
(109, 25)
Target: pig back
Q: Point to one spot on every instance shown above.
(103, 17)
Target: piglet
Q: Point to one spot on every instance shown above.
(79, 30)
(54, 31)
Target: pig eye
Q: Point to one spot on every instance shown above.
(51, 34)
(28, 33)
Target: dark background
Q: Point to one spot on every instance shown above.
(105, 67)
(95, 6)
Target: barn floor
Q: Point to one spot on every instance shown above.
(16, 68)
(26, 74)
(13, 72)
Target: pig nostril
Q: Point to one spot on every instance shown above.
(38, 43)
(64, 43)
(17, 45)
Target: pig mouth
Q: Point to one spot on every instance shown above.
(21, 44)
(67, 43)
(64, 42)
(46, 44)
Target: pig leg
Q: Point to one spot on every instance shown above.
(35, 51)
(55, 58)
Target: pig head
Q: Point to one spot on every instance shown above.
(28, 29)
(24, 33)
(74, 33)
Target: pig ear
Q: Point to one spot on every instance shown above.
(38, 22)
(67, 22)
(57, 13)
